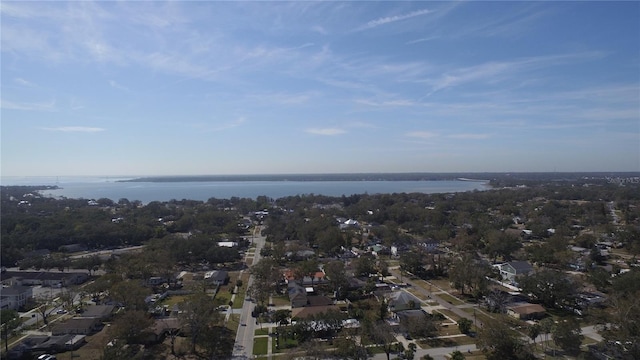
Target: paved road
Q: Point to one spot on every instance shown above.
(243, 347)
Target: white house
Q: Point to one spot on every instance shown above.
(14, 297)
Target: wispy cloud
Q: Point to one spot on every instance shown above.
(28, 106)
(422, 40)
(469, 136)
(391, 19)
(388, 103)
(81, 129)
(23, 82)
(325, 131)
(422, 134)
(114, 84)
(230, 125)
(319, 29)
(497, 71)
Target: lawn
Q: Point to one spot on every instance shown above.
(264, 331)
(284, 344)
(234, 322)
(448, 313)
(280, 300)
(172, 300)
(418, 294)
(260, 346)
(450, 299)
(222, 297)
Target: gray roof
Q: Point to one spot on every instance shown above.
(521, 266)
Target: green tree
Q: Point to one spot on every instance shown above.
(198, 315)
(266, 274)
(499, 243)
(464, 325)
(382, 335)
(336, 276)
(499, 342)
(457, 355)
(131, 326)
(534, 331)
(10, 321)
(568, 335)
(552, 288)
(349, 349)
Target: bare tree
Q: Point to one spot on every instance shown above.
(45, 305)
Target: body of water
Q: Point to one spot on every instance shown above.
(95, 188)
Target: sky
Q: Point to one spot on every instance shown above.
(203, 88)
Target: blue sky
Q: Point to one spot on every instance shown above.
(155, 88)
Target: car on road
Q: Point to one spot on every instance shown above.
(47, 357)
(61, 311)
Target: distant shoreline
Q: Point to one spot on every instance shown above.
(303, 177)
(485, 177)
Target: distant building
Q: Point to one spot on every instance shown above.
(15, 297)
(526, 311)
(512, 270)
(402, 300)
(217, 277)
(81, 326)
(46, 278)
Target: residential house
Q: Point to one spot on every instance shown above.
(156, 280)
(15, 297)
(429, 245)
(161, 328)
(297, 294)
(404, 318)
(316, 279)
(309, 311)
(45, 278)
(402, 300)
(512, 270)
(217, 277)
(32, 345)
(72, 248)
(100, 312)
(77, 325)
(526, 311)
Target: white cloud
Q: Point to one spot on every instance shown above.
(326, 131)
(469, 136)
(319, 30)
(390, 103)
(114, 84)
(225, 126)
(390, 19)
(28, 106)
(23, 82)
(422, 134)
(83, 129)
(421, 40)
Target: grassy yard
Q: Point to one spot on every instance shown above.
(222, 297)
(172, 300)
(450, 299)
(418, 294)
(264, 331)
(233, 323)
(260, 346)
(448, 330)
(480, 315)
(284, 344)
(448, 313)
(280, 300)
